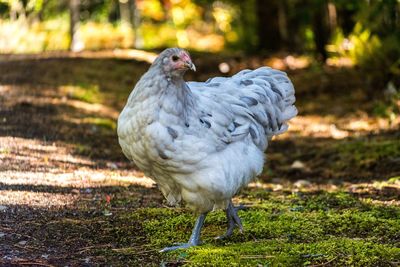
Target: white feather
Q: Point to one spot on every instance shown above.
(203, 142)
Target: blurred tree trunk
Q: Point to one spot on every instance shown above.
(321, 28)
(75, 42)
(17, 10)
(247, 29)
(282, 21)
(332, 16)
(346, 20)
(124, 10)
(136, 20)
(269, 36)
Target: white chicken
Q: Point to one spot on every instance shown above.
(202, 142)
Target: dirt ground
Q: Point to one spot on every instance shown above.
(65, 186)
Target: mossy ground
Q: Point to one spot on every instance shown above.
(340, 206)
(283, 228)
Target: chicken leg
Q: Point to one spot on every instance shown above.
(233, 220)
(194, 239)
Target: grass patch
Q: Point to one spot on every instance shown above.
(283, 230)
(4, 151)
(362, 153)
(357, 158)
(85, 92)
(336, 251)
(83, 149)
(104, 123)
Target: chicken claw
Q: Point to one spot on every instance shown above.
(233, 220)
(194, 239)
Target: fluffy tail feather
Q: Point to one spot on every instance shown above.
(274, 93)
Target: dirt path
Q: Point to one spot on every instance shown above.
(68, 196)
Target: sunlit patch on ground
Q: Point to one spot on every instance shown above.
(53, 164)
(33, 171)
(337, 128)
(135, 54)
(82, 178)
(35, 199)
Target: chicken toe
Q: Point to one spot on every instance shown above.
(233, 221)
(194, 239)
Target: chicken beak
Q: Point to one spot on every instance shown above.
(190, 65)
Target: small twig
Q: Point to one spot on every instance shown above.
(33, 263)
(131, 250)
(28, 236)
(145, 251)
(256, 257)
(140, 246)
(164, 263)
(323, 264)
(92, 247)
(26, 247)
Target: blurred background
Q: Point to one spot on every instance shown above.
(363, 32)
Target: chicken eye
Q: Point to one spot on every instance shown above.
(175, 58)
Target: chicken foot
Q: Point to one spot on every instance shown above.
(194, 239)
(233, 220)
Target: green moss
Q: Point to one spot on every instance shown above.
(4, 151)
(83, 149)
(283, 230)
(363, 153)
(85, 92)
(394, 180)
(337, 251)
(105, 123)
